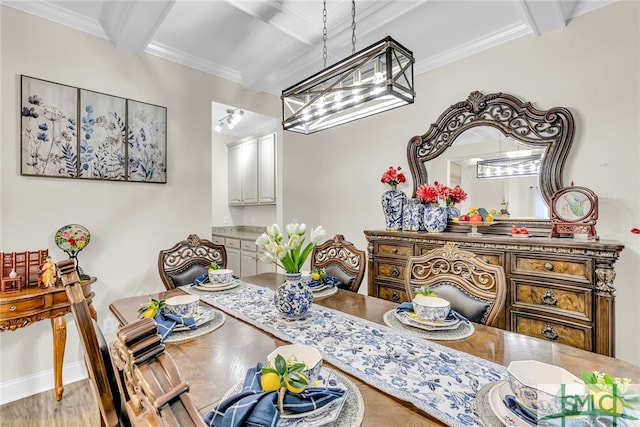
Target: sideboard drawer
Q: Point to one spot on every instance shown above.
(573, 335)
(571, 269)
(22, 305)
(565, 300)
(394, 249)
(389, 270)
(392, 293)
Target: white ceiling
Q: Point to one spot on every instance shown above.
(269, 45)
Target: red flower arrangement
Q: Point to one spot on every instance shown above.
(432, 193)
(393, 177)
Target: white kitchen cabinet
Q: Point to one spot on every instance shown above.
(251, 173)
(249, 258)
(233, 255)
(235, 175)
(267, 169)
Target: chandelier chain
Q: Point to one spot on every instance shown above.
(353, 26)
(324, 33)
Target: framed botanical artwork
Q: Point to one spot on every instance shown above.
(48, 128)
(147, 142)
(78, 133)
(103, 136)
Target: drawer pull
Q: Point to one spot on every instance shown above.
(394, 250)
(549, 333)
(548, 266)
(395, 296)
(549, 298)
(13, 308)
(395, 272)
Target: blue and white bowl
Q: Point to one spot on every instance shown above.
(431, 309)
(298, 353)
(221, 276)
(183, 305)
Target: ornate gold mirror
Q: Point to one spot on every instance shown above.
(550, 132)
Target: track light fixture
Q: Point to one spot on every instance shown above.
(232, 118)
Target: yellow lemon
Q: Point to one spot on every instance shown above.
(294, 389)
(209, 270)
(608, 403)
(270, 381)
(419, 296)
(149, 312)
(488, 218)
(315, 276)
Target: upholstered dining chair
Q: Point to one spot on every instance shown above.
(186, 260)
(475, 288)
(124, 396)
(342, 260)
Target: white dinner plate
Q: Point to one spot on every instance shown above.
(215, 288)
(204, 315)
(410, 321)
(317, 417)
(508, 418)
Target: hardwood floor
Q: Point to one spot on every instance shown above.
(76, 409)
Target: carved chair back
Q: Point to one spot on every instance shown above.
(158, 395)
(342, 260)
(96, 351)
(186, 260)
(475, 288)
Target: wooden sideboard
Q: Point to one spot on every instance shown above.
(558, 289)
(31, 304)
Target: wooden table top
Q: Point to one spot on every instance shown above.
(215, 362)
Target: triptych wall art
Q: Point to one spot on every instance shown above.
(77, 133)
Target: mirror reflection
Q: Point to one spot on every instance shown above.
(519, 195)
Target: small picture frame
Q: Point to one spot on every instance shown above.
(574, 210)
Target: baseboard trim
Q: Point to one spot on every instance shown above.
(29, 385)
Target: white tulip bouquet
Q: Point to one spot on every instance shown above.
(288, 254)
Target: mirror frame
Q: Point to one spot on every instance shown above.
(551, 129)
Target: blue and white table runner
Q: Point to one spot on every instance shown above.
(439, 380)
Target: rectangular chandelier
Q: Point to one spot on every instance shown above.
(376, 79)
(509, 167)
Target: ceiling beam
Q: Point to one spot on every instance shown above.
(543, 16)
(130, 24)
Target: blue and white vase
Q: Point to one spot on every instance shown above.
(293, 298)
(392, 203)
(435, 218)
(413, 215)
(452, 211)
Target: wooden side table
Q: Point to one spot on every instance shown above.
(11, 284)
(31, 304)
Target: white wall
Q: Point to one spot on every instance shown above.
(591, 67)
(129, 222)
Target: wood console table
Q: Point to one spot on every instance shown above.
(31, 304)
(558, 289)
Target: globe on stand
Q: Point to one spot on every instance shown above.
(73, 238)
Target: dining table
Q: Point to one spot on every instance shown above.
(213, 363)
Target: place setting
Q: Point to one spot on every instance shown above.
(292, 389)
(430, 317)
(321, 284)
(216, 280)
(540, 394)
(182, 317)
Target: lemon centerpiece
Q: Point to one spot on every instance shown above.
(424, 291)
(151, 307)
(284, 375)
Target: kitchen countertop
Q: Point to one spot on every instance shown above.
(242, 232)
